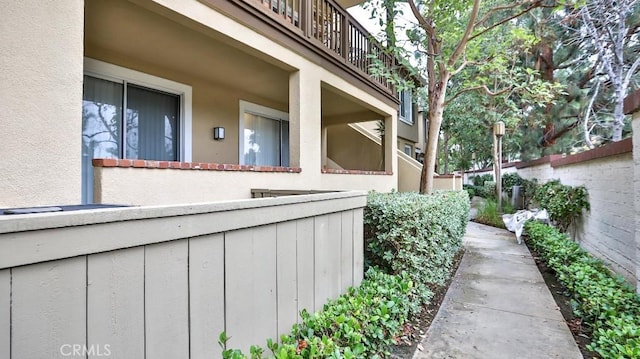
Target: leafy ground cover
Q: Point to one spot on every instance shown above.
(605, 303)
(411, 243)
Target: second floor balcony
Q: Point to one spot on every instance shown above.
(327, 29)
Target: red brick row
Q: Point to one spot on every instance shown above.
(114, 162)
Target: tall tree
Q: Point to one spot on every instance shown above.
(607, 29)
(456, 36)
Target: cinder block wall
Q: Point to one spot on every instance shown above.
(608, 230)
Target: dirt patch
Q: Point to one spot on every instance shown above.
(581, 333)
(416, 329)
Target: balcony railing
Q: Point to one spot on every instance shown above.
(327, 23)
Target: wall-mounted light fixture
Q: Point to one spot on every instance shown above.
(218, 133)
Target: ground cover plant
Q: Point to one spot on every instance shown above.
(605, 302)
(410, 244)
(359, 324)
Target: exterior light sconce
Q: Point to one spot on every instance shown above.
(218, 133)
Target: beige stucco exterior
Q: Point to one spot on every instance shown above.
(222, 60)
(40, 98)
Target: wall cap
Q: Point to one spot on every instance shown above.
(610, 149)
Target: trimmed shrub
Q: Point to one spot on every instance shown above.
(529, 188)
(359, 324)
(509, 180)
(489, 190)
(414, 239)
(564, 203)
(470, 190)
(605, 302)
(417, 234)
(481, 179)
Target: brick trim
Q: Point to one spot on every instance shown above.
(201, 166)
(539, 161)
(611, 149)
(356, 172)
(447, 176)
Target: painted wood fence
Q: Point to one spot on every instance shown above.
(163, 282)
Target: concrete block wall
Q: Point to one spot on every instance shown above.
(608, 230)
(632, 107)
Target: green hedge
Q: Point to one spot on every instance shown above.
(413, 238)
(416, 234)
(605, 302)
(564, 203)
(359, 324)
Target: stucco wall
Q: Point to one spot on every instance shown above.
(40, 101)
(41, 92)
(142, 186)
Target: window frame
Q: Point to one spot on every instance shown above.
(406, 101)
(111, 72)
(259, 110)
(410, 148)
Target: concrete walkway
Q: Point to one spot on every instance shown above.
(497, 306)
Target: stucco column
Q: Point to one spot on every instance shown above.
(305, 121)
(632, 106)
(391, 144)
(325, 135)
(41, 43)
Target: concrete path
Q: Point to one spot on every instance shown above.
(497, 306)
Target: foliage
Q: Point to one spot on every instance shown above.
(461, 47)
(417, 234)
(470, 190)
(564, 203)
(529, 188)
(481, 179)
(606, 303)
(359, 324)
(488, 214)
(489, 189)
(509, 180)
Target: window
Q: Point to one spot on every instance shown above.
(408, 150)
(128, 114)
(406, 107)
(264, 136)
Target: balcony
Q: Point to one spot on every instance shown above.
(324, 27)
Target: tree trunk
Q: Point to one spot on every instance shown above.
(445, 151)
(618, 116)
(436, 108)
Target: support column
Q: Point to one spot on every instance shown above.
(324, 146)
(305, 139)
(41, 102)
(391, 144)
